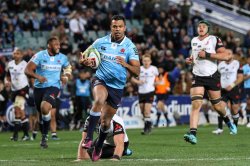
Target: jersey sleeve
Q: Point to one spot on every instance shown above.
(219, 43)
(36, 59)
(133, 53)
(118, 129)
(96, 43)
(66, 61)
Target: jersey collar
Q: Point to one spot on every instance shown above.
(117, 43)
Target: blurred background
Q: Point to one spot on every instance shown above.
(161, 28)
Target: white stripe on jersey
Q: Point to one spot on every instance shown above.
(228, 72)
(148, 76)
(204, 67)
(18, 78)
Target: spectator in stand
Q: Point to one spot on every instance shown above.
(76, 25)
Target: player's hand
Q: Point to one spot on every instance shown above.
(42, 79)
(84, 60)
(64, 79)
(202, 54)
(121, 61)
(113, 159)
(189, 60)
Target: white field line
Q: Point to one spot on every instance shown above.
(189, 159)
(155, 160)
(15, 144)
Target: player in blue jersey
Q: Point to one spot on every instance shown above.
(246, 73)
(46, 66)
(118, 55)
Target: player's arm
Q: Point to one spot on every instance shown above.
(30, 72)
(82, 153)
(222, 54)
(133, 66)
(67, 71)
(119, 145)
(136, 81)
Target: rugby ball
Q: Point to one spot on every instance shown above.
(95, 56)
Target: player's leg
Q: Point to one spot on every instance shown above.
(20, 117)
(48, 103)
(225, 99)
(142, 108)
(158, 113)
(197, 100)
(25, 126)
(220, 107)
(106, 117)
(53, 125)
(165, 109)
(100, 94)
(108, 111)
(147, 118)
(53, 122)
(147, 100)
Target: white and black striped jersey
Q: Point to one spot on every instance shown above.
(205, 67)
(148, 76)
(229, 72)
(117, 127)
(18, 78)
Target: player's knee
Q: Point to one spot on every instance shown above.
(196, 101)
(45, 107)
(215, 101)
(99, 101)
(19, 102)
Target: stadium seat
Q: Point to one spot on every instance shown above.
(92, 35)
(101, 33)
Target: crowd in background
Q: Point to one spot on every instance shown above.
(167, 30)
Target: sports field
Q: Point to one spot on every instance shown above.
(165, 146)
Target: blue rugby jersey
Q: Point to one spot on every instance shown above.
(112, 73)
(246, 71)
(49, 67)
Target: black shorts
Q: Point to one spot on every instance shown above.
(246, 93)
(208, 82)
(48, 94)
(108, 150)
(161, 97)
(233, 96)
(146, 98)
(22, 92)
(114, 95)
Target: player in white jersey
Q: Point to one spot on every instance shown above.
(231, 77)
(19, 89)
(146, 89)
(115, 145)
(206, 51)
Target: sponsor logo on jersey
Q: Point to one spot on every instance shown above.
(51, 67)
(103, 48)
(194, 44)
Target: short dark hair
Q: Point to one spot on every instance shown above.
(119, 17)
(52, 39)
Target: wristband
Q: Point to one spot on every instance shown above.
(232, 85)
(208, 55)
(116, 157)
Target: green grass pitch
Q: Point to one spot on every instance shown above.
(165, 146)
